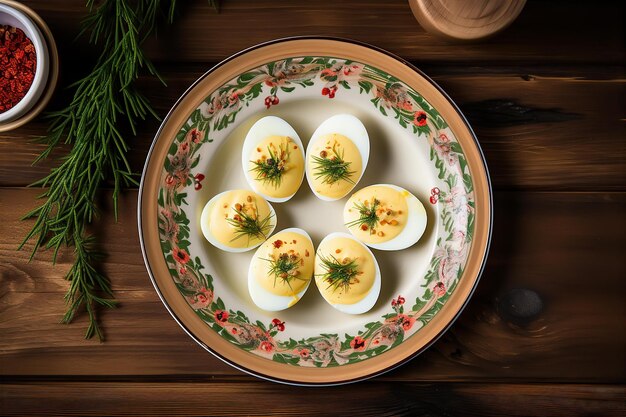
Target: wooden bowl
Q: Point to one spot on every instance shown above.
(463, 20)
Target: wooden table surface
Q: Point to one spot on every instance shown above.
(547, 101)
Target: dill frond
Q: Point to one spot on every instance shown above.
(91, 123)
(271, 170)
(332, 169)
(367, 215)
(246, 225)
(285, 268)
(338, 274)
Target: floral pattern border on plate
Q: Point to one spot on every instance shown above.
(393, 99)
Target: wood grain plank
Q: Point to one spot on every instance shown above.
(566, 247)
(542, 33)
(540, 129)
(262, 398)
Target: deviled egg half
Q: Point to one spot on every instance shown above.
(385, 217)
(237, 220)
(273, 159)
(337, 156)
(281, 270)
(347, 274)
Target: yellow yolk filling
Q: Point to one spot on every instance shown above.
(391, 210)
(345, 250)
(328, 147)
(296, 250)
(225, 208)
(287, 156)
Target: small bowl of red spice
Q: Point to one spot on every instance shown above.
(24, 63)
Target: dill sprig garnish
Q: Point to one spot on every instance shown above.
(332, 169)
(338, 274)
(246, 225)
(285, 268)
(91, 123)
(367, 215)
(271, 169)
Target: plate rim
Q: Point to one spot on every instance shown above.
(483, 256)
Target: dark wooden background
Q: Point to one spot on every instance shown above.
(547, 101)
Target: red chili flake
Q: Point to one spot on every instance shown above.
(17, 66)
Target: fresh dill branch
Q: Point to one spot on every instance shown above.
(101, 101)
(246, 225)
(285, 268)
(338, 274)
(332, 169)
(367, 215)
(271, 170)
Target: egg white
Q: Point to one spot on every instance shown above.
(265, 299)
(346, 125)
(371, 297)
(206, 230)
(261, 130)
(413, 229)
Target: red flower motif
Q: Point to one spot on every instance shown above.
(221, 316)
(330, 92)
(435, 191)
(197, 181)
(182, 270)
(408, 322)
(233, 330)
(233, 98)
(420, 118)
(170, 181)
(358, 343)
(280, 325)
(271, 101)
(195, 135)
(349, 69)
(304, 352)
(406, 105)
(433, 199)
(203, 298)
(183, 147)
(398, 301)
(266, 346)
(439, 289)
(180, 255)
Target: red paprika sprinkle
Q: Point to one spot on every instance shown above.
(18, 63)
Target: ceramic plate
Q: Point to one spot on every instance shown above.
(419, 141)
